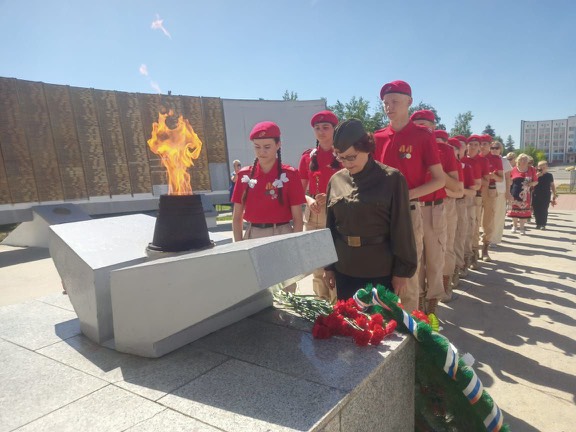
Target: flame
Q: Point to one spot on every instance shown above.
(177, 148)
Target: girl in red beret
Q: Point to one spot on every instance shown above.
(316, 167)
(268, 195)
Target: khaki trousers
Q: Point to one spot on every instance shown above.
(410, 296)
(462, 231)
(477, 223)
(432, 266)
(471, 215)
(254, 233)
(499, 218)
(313, 221)
(451, 225)
(488, 214)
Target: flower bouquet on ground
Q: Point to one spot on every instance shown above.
(345, 318)
(449, 395)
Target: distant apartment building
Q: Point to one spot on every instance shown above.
(556, 138)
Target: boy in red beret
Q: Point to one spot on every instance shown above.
(482, 171)
(413, 151)
(439, 221)
(489, 193)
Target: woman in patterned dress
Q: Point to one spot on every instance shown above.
(524, 177)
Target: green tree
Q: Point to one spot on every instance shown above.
(462, 124)
(425, 106)
(509, 145)
(488, 130)
(359, 108)
(536, 154)
(290, 96)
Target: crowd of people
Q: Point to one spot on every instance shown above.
(409, 207)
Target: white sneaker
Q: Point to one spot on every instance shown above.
(523, 231)
(513, 230)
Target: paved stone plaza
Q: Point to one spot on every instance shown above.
(516, 316)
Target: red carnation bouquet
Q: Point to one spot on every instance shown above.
(346, 319)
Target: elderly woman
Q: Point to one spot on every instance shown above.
(523, 178)
(544, 194)
(368, 213)
(503, 190)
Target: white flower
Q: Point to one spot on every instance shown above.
(278, 183)
(251, 182)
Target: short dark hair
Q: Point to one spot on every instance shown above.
(365, 144)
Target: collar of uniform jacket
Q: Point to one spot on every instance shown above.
(364, 179)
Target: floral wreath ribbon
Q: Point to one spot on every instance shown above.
(465, 376)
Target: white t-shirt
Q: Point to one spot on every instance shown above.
(506, 167)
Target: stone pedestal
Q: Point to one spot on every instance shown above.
(35, 233)
(278, 378)
(85, 253)
(158, 305)
(153, 306)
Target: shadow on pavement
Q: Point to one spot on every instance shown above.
(517, 424)
(508, 306)
(19, 256)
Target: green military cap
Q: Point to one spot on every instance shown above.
(347, 133)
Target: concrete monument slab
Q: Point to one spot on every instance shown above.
(108, 409)
(34, 386)
(149, 378)
(169, 420)
(161, 305)
(265, 399)
(35, 233)
(85, 253)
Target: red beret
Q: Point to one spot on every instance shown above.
(460, 138)
(266, 129)
(398, 86)
(424, 115)
(325, 116)
(486, 138)
(455, 142)
(439, 133)
(474, 137)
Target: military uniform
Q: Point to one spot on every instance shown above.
(317, 180)
(437, 207)
(262, 208)
(489, 198)
(411, 150)
(369, 216)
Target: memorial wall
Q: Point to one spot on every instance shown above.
(63, 143)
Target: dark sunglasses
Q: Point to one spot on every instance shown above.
(494, 148)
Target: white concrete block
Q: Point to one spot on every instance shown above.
(35, 233)
(156, 305)
(85, 252)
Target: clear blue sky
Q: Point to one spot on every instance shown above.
(505, 61)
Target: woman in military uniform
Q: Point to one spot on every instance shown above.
(368, 213)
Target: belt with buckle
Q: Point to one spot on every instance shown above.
(355, 241)
(431, 203)
(478, 193)
(268, 225)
